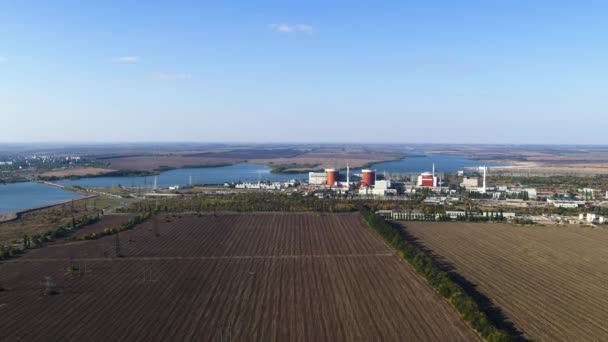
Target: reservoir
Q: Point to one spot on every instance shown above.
(212, 175)
(418, 164)
(20, 196)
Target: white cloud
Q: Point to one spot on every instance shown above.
(3, 59)
(170, 76)
(285, 27)
(126, 59)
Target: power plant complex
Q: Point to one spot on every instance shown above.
(331, 178)
(369, 183)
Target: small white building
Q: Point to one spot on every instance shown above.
(565, 204)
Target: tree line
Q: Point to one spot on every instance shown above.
(131, 223)
(30, 241)
(440, 280)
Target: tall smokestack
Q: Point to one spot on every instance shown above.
(485, 168)
(347, 175)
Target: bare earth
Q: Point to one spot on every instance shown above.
(304, 161)
(232, 277)
(332, 159)
(151, 163)
(552, 282)
(85, 171)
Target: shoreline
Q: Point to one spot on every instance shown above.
(14, 216)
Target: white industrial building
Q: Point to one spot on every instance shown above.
(381, 188)
(317, 178)
(516, 191)
(565, 204)
(468, 182)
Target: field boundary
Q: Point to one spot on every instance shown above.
(425, 266)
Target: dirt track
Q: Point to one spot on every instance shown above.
(237, 277)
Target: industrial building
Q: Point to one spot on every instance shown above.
(470, 182)
(366, 182)
(565, 203)
(428, 179)
(380, 188)
(333, 176)
(330, 177)
(317, 178)
(368, 177)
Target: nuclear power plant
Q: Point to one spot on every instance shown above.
(369, 182)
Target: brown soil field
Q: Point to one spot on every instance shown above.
(565, 168)
(249, 153)
(333, 159)
(230, 277)
(551, 282)
(151, 163)
(85, 171)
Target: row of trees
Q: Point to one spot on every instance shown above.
(438, 279)
(477, 216)
(30, 241)
(245, 202)
(131, 223)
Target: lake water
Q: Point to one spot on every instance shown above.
(443, 164)
(20, 196)
(213, 175)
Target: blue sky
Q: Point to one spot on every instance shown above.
(304, 71)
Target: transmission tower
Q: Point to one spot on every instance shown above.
(117, 246)
(48, 286)
(148, 278)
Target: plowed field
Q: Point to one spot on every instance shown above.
(552, 282)
(230, 277)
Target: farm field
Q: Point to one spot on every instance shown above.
(551, 282)
(84, 171)
(236, 277)
(319, 160)
(153, 163)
